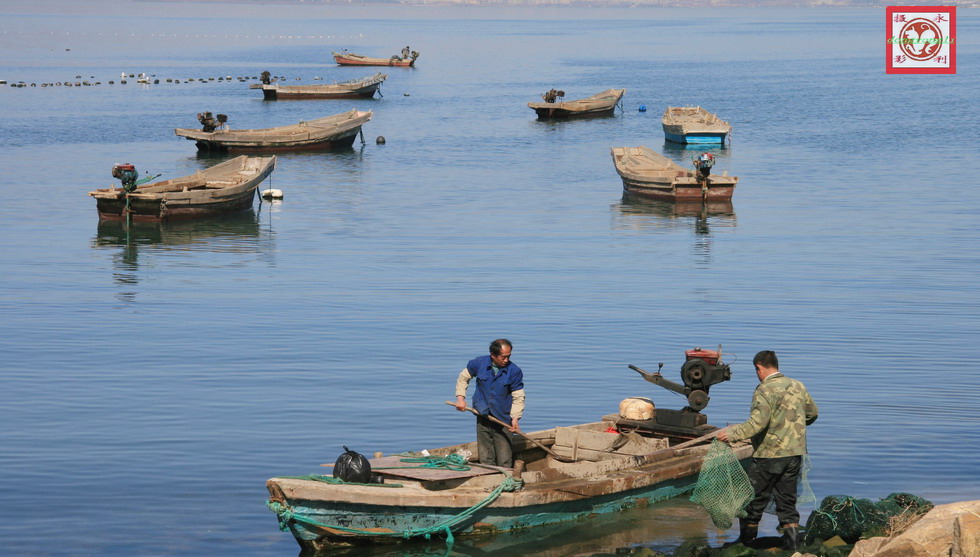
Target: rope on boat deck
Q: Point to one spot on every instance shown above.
(287, 514)
(452, 462)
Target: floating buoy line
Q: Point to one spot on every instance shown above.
(144, 80)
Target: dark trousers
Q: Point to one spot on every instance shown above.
(774, 478)
(493, 443)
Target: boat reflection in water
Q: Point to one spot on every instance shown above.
(642, 212)
(185, 243)
(662, 527)
(684, 152)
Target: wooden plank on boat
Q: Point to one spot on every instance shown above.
(393, 466)
(599, 445)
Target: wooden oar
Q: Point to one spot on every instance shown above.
(670, 452)
(546, 449)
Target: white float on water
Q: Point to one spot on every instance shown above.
(272, 194)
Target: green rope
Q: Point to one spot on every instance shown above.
(287, 514)
(452, 462)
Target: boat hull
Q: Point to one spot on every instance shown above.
(388, 521)
(550, 113)
(368, 61)
(282, 95)
(649, 174)
(198, 202)
(364, 88)
(600, 104)
(694, 125)
(681, 192)
(332, 132)
(715, 138)
(342, 141)
(420, 501)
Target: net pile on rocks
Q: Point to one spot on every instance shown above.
(852, 518)
(723, 487)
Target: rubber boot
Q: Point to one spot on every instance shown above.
(791, 537)
(746, 533)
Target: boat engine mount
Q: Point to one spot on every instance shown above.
(127, 174)
(701, 370)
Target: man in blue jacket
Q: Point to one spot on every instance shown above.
(499, 393)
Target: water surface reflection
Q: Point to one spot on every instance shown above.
(662, 526)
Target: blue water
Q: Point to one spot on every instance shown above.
(153, 378)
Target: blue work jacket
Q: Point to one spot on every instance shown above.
(493, 392)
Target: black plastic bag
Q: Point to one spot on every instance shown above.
(352, 467)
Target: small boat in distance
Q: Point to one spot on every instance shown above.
(650, 174)
(224, 188)
(693, 124)
(364, 87)
(332, 132)
(406, 59)
(600, 104)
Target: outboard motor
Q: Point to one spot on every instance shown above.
(266, 78)
(703, 165)
(208, 123)
(127, 174)
(553, 95)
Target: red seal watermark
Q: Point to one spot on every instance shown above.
(920, 39)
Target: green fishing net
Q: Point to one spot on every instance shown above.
(852, 518)
(723, 487)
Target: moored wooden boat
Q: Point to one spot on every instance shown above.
(647, 173)
(693, 124)
(364, 87)
(331, 132)
(600, 104)
(224, 188)
(481, 500)
(351, 59)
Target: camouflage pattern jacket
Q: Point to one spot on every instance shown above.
(781, 410)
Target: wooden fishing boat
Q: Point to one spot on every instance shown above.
(650, 174)
(364, 87)
(351, 59)
(224, 188)
(332, 132)
(600, 104)
(563, 480)
(693, 124)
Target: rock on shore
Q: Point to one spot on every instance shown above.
(952, 529)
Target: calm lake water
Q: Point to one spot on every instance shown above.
(155, 377)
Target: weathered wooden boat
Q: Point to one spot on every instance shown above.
(647, 173)
(364, 87)
(600, 104)
(693, 124)
(331, 132)
(350, 59)
(608, 472)
(224, 188)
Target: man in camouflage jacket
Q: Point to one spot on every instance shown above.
(781, 411)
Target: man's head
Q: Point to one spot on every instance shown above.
(766, 364)
(500, 352)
